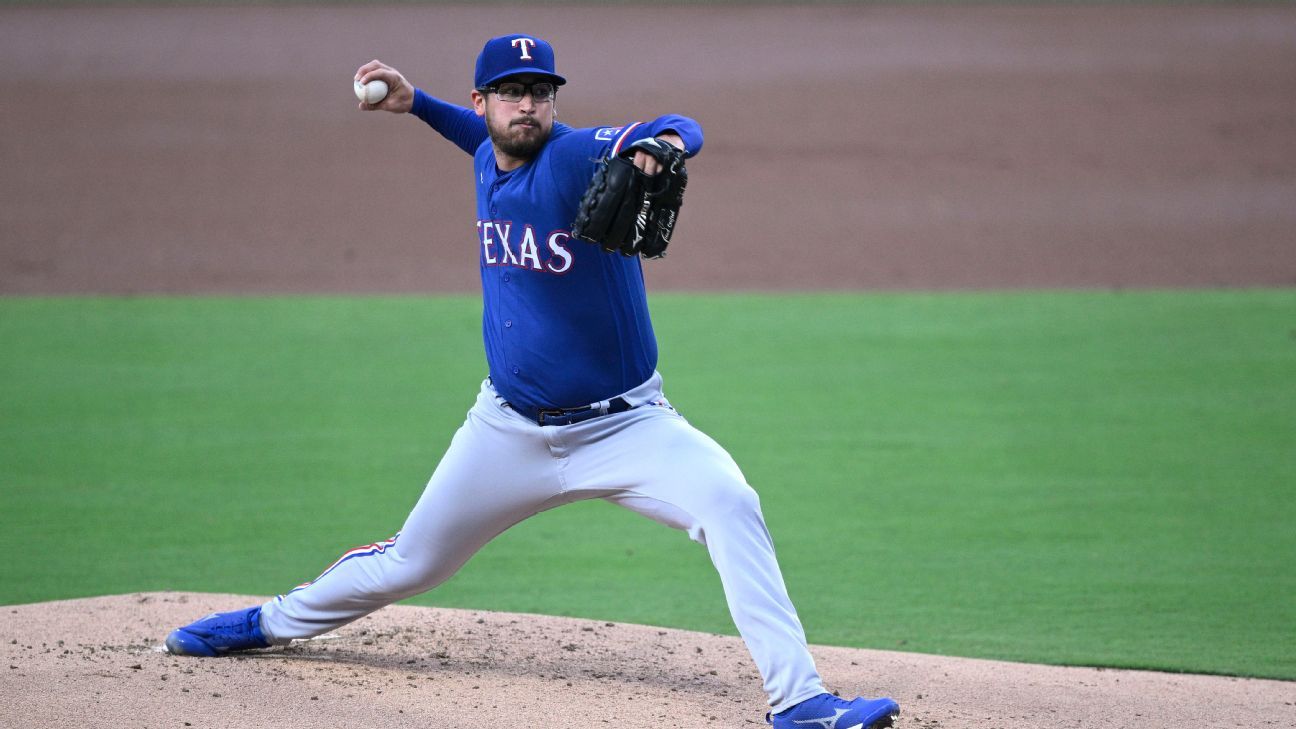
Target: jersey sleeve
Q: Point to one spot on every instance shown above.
(615, 139)
(459, 124)
(574, 154)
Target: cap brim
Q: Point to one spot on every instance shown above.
(558, 80)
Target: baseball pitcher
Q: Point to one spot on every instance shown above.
(573, 405)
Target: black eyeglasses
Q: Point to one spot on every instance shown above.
(512, 92)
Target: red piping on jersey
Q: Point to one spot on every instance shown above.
(616, 148)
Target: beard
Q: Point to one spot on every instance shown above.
(519, 141)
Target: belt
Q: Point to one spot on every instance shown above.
(561, 416)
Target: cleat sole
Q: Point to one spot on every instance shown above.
(884, 722)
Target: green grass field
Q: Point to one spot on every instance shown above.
(1079, 478)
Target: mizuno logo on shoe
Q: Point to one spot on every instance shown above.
(830, 722)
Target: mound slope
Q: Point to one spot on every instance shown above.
(99, 662)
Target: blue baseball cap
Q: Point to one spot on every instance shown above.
(509, 55)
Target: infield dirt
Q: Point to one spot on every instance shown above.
(218, 150)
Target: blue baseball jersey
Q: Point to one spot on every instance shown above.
(565, 323)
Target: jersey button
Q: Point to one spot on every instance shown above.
(516, 370)
(508, 323)
(506, 278)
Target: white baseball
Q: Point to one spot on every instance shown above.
(372, 92)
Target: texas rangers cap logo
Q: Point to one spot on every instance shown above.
(512, 55)
(523, 43)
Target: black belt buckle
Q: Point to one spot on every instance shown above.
(555, 416)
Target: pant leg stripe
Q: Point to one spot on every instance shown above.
(366, 550)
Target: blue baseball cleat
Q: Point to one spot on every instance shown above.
(218, 634)
(826, 711)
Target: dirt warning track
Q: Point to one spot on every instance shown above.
(196, 149)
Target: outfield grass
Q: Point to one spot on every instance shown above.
(1084, 478)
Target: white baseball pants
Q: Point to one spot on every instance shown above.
(501, 468)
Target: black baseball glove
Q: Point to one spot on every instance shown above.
(627, 211)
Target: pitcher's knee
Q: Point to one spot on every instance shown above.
(413, 577)
(733, 517)
(730, 498)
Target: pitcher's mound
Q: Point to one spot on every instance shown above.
(99, 662)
